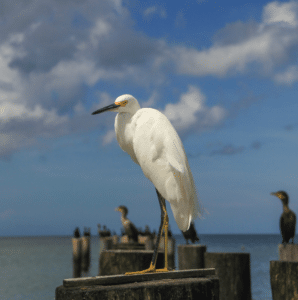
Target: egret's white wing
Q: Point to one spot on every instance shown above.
(160, 153)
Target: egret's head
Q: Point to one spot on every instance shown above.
(283, 196)
(123, 209)
(124, 103)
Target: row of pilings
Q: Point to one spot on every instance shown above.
(232, 269)
(81, 255)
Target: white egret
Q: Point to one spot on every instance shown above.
(152, 142)
(287, 222)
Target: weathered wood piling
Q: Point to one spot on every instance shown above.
(284, 279)
(128, 246)
(114, 262)
(284, 273)
(176, 285)
(288, 252)
(107, 242)
(144, 243)
(233, 270)
(191, 257)
(85, 253)
(171, 250)
(76, 257)
(76, 248)
(147, 241)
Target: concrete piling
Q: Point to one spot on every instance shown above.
(85, 253)
(191, 257)
(147, 241)
(76, 257)
(288, 252)
(128, 246)
(171, 250)
(233, 271)
(114, 262)
(283, 279)
(176, 285)
(107, 242)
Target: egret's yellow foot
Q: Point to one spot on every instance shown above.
(162, 270)
(151, 269)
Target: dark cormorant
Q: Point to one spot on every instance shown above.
(191, 234)
(87, 231)
(103, 233)
(76, 233)
(106, 231)
(129, 228)
(287, 221)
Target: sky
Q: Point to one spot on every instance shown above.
(224, 73)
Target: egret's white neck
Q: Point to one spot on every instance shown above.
(124, 133)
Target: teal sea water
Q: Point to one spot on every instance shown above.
(32, 267)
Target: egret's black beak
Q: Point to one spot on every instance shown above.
(105, 108)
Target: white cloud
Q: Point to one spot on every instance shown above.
(191, 113)
(288, 77)
(268, 45)
(155, 10)
(47, 62)
(276, 12)
(109, 137)
(101, 29)
(151, 101)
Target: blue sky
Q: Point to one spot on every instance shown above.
(224, 73)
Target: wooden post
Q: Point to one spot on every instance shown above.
(128, 246)
(176, 285)
(171, 250)
(288, 252)
(191, 257)
(76, 256)
(85, 253)
(147, 241)
(106, 243)
(114, 262)
(144, 240)
(233, 270)
(115, 239)
(283, 279)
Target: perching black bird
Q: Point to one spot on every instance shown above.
(103, 233)
(76, 233)
(106, 231)
(191, 234)
(87, 231)
(287, 221)
(129, 228)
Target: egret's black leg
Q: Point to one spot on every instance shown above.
(162, 204)
(163, 225)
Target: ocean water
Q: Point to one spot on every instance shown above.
(32, 267)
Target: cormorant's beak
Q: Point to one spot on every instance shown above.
(273, 194)
(117, 209)
(105, 108)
